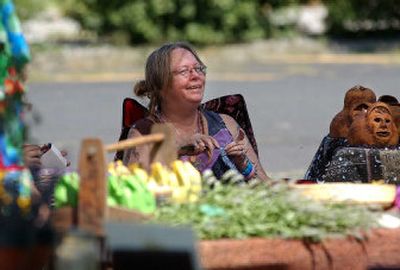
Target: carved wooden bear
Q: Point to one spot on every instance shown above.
(374, 127)
(356, 99)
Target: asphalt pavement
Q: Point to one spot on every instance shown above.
(291, 100)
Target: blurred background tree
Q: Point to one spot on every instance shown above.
(363, 17)
(29, 8)
(204, 22)
(197, 21)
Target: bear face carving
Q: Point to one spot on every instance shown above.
(357, 99)
(374, 127)
(394, 106)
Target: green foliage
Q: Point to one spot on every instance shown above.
(213, 21)
(232, 211)
(29, 8)
(154, 21)
(357, 16)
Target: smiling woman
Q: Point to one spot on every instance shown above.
(174, 82)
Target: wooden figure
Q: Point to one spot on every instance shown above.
(356, 99)
(374, 127)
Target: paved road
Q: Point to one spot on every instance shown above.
(290, 105)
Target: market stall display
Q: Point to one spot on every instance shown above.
(372, 152)
(363, 142)
(88, 208)
(228, 212)
(254, 227)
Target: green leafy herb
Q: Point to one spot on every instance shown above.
(265, 210)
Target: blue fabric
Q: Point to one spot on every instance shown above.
(215, 126)
(19, 47)
(219, 161)
(6, 10)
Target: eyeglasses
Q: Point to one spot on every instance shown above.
(184, 72)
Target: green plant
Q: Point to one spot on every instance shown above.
(154, 21)
(27, 9)
(357, 16)
(232, 211)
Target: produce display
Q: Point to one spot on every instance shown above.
(360, 150)
(133, 188)
(183, 181)
(258, 209)
(223, 208)
(128, 190)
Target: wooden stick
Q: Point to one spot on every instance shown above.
(129, 143)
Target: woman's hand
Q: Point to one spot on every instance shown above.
(31, 155)
(64, 153)
(236, 150)
(198, 143)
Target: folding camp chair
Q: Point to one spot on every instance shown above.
(232, 105)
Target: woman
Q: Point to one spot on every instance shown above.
(174, 82)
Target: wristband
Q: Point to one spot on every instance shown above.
(249, 168)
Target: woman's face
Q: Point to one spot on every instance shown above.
(188, 79)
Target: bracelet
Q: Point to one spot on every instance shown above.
(248, 170)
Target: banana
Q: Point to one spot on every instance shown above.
(183, 181)
(111, 168)
(195, 181)
(179, 192)
(121, 169)
(195, 176)
(140, 173)
(160, 173)
(183, 176)
(173, 179)
(155, 172)
(189, 179)
(118, 168)
(152, 185)
(133, 166)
